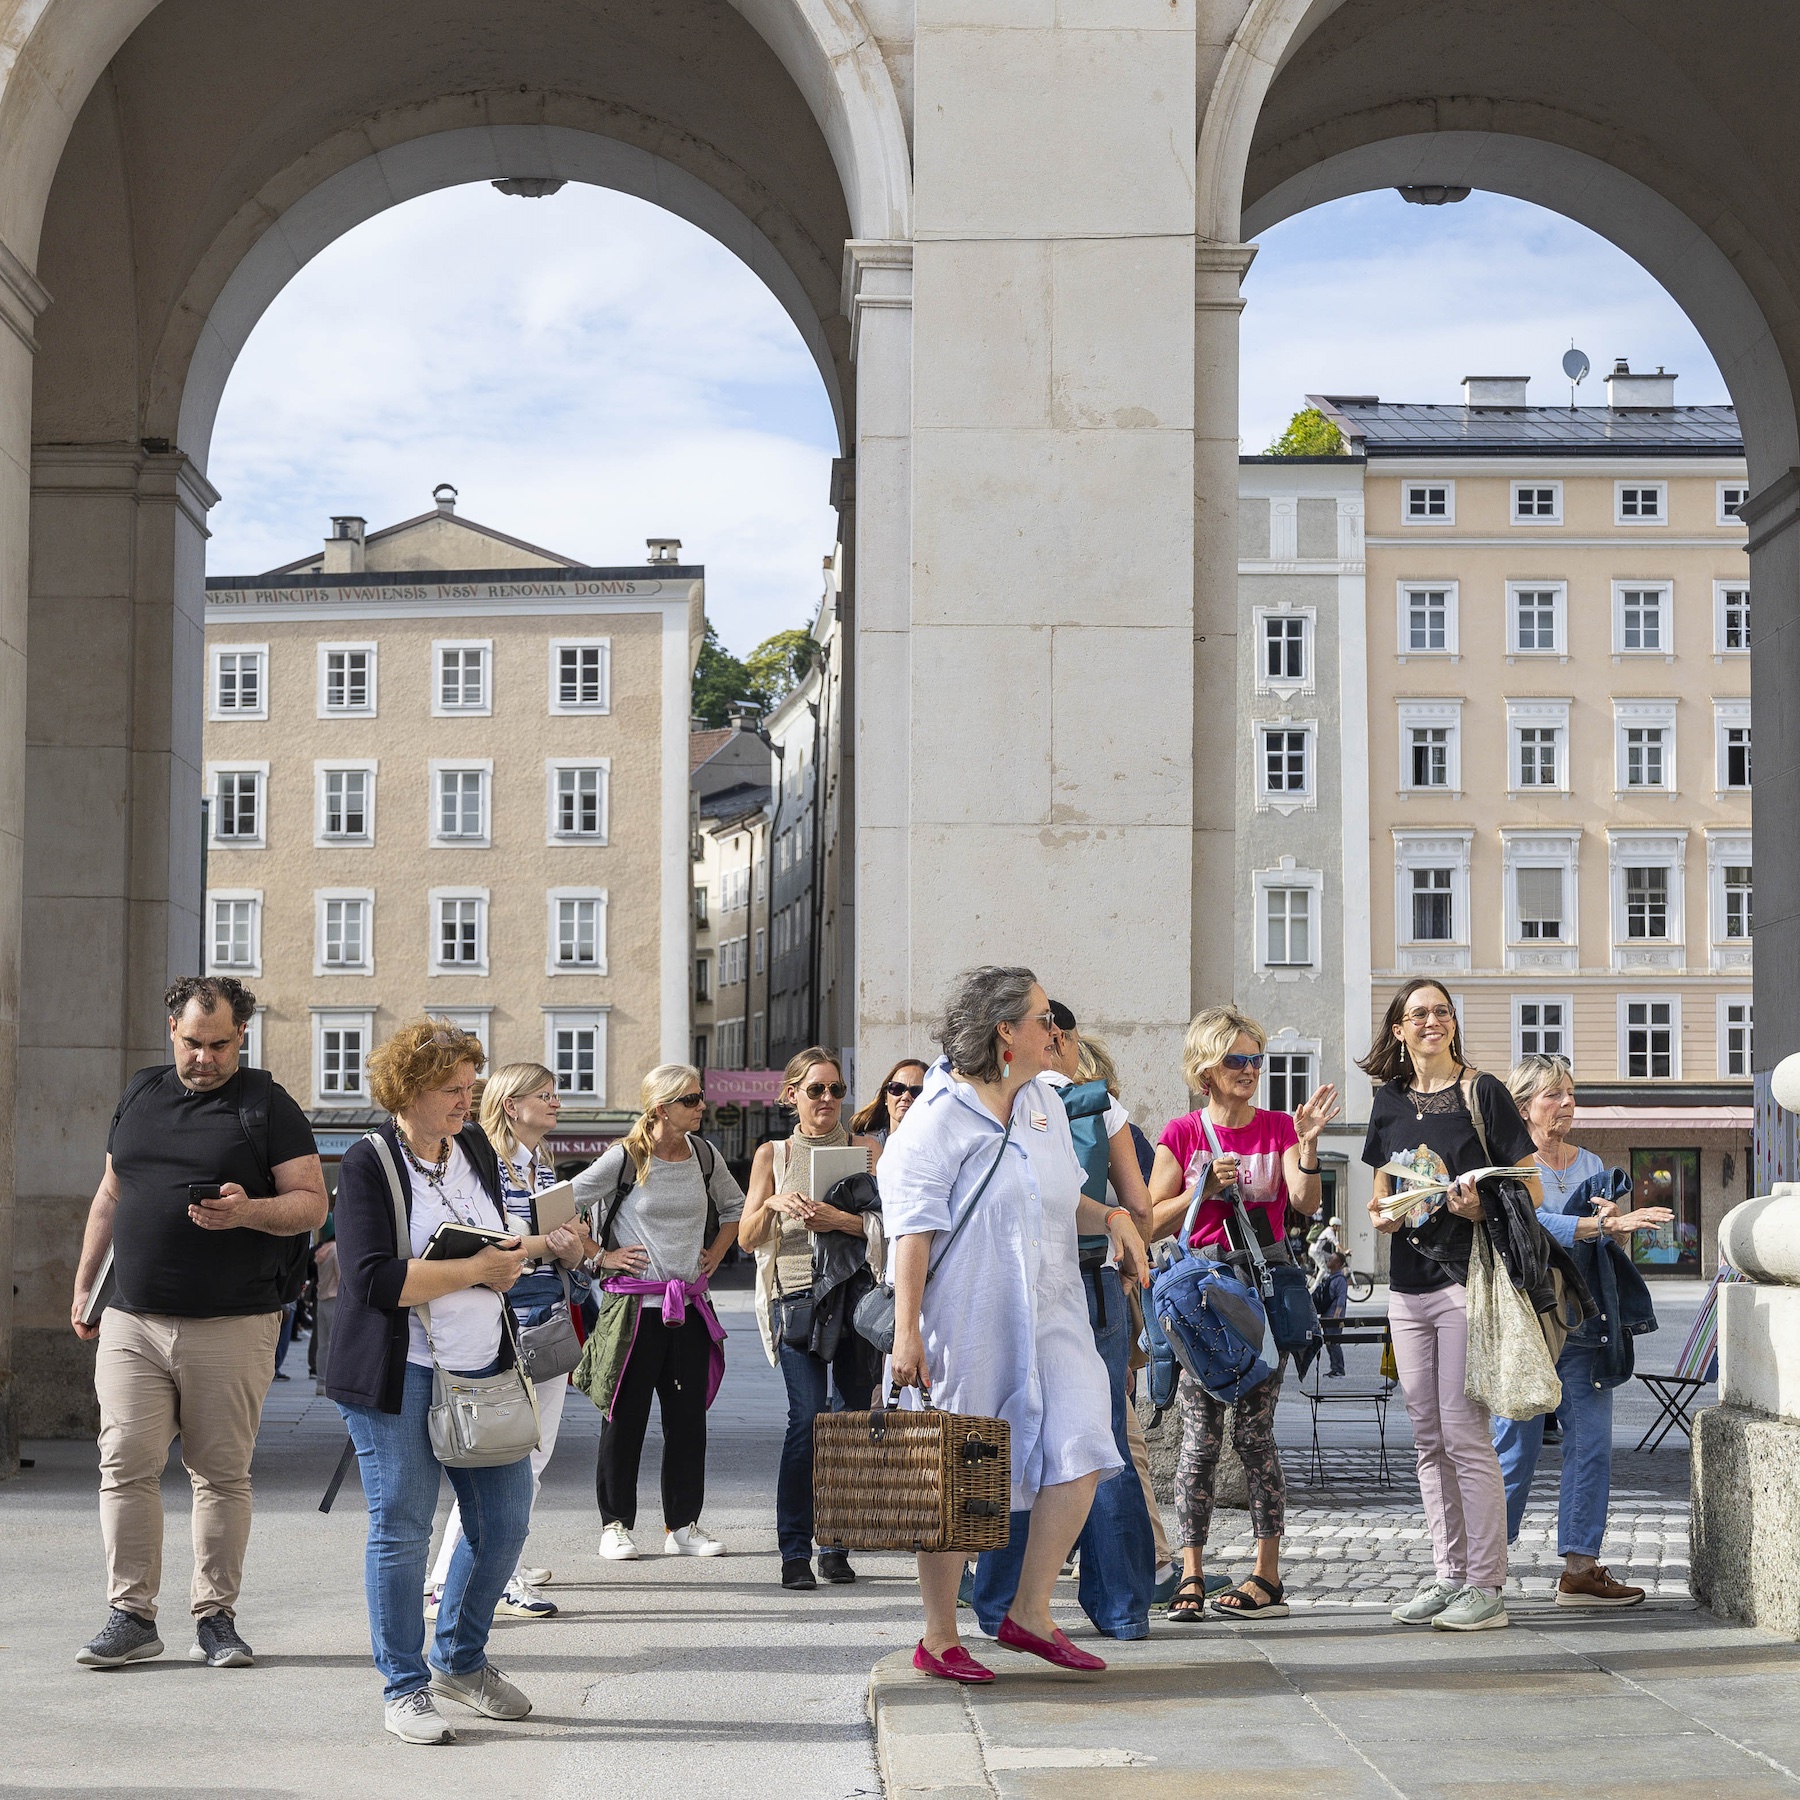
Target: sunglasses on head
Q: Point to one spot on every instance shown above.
(1243, 1062)
(902, 1090)
(817, 1090)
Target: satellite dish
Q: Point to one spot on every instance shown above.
(1575, 366)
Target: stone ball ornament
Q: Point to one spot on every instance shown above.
(1784, 1083)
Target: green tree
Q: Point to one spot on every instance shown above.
(722, 685)
(778, 665)
(1309, 433)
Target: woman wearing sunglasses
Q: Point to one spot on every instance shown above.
(1271, 1161)
(783, 1219)
(900, 1087)
(655, 1241)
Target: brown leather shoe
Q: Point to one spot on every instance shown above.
(1595, 1587)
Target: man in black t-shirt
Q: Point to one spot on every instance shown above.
(211, 1192)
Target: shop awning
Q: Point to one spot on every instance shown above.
(1662, 1118)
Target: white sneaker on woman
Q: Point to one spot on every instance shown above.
(616, 1544)
(534, 1577)
(690, 1540)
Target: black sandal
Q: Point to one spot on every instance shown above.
(1240, 1603)
(1186, 1608)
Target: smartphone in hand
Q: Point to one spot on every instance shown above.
(203, 1190)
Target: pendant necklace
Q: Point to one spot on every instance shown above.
(437, 1171)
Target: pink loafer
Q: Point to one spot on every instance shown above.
(1056, 1650)
(956, 1664)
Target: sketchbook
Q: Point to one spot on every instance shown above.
(106, 1284)
(1415, 1198)
(552, 1207)
(830, 1164)
(450, 1242)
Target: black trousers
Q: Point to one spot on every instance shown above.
(668, 1363)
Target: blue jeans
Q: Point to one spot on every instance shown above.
(1586, 1415)
(805, 1375)
(1116, 1546)
(400, 1481)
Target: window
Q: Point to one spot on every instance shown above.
(700, 1062)
(1649, 1039)
(728, 1044)
(237, 806)
(1429, 503)
(234, 932)
(1284, 762)
(731, 962)
(703, 978)
(577, 931)
(462, 682)
(1433, 910)
(1539, 732)
(1640, 502)
(344, 934)
(581, 676)
(1735, 1028)
(1540, 881)
(1732, 495)
(756, 1040)
(1284, 647)
(239, 690)
(575, 1049)
(1731, 618)
(340, 1058)
(1670, 1178)
(1645, 748)
(577, 802)
(1538, 756)
(1648, 907)
(1287, 1080)
(1641, 620)
(1430, 744)
(1288, 924)
(1539, 894)
(460, 812)
(1537, 502)
(346, 679)
(1737, 909)
(760, 959)
(459, 931)
(1541, 1028)
(1731, 744)
(1646, 903)
(346, 803)
(1537, 619)
(1431, 900)
(1644, 756)
(700, 918)
(1427, 620)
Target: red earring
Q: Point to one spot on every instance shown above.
(1006, 1056)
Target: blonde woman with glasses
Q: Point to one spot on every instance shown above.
(519, 1107)
(662, 1212)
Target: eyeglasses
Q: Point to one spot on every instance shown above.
(817, 1090)
(689, 1100)
(1430, 1015)
(901, 1090)
(1045, 1019)
(1243, 1062)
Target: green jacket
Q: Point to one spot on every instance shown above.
(608, 1345)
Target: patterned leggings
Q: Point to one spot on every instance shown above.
(1252, 1436)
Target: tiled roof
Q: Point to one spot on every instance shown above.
(701, 745)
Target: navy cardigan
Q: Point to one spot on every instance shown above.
(370, 1330)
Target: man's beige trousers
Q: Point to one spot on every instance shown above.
(203, 1380)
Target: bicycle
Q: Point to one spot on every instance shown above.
(1361, 1287)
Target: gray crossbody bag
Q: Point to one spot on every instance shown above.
(476, 1421)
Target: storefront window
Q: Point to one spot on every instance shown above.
(1668, 1178)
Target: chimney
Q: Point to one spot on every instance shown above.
(664, 550)
(344, 548)
(1626, 389)
(745, 721)
(445, 496)
(1494, 390)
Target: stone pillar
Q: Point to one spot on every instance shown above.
(1049, 716)
(112, 851)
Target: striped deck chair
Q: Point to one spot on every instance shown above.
(1696, 1367)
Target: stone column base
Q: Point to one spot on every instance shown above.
(1746, 1523)
(9, 1428)
(53, 1384)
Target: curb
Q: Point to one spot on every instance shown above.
(925, 1736)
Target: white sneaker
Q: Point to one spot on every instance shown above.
(1474, 1609)
(534, 1577)
(616, 1544)
(690, 1540)
(521, 1602)
(415, 1719)
(1426, 1604)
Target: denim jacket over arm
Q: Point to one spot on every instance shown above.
(1612, 1279)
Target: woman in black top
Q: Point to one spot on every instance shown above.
(1420, 1117)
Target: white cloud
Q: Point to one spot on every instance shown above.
(1372, 296)
(588, 370)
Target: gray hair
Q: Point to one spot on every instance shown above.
(981, 1001)
(1536, 1074)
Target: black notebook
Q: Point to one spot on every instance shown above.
(450, 1242)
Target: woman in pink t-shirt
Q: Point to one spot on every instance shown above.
(1272, 1160)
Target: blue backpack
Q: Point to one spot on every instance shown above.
(1086, 1103)
(1208, 1322)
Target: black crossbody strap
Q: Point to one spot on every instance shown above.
(969, 1210)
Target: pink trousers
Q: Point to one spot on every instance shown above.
(1459, 1474)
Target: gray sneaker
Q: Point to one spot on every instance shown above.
(415, 1719)
(485, 1689)
(1426, 1604)
(125, 1638)
(217, 1644)
(1473, 1609)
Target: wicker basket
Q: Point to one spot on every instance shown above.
(892, 1480)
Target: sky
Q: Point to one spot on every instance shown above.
(590, 371)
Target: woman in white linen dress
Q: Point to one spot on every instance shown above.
(1002, 1330)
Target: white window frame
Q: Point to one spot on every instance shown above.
(485, 707)
(226, 714)
(252, 1053)
(555, 766)
(261, 839)
(1625, 1003)
(1553, 517)
(1721, 591)
(1290, 800)
(1733, 849)
(1665, 621)
(1634, 486)
(1407, 490)
(343, 765)
(1559, 621)
(1516, 1007)
(347, 712)
(237, 897)
(1638, 849)
(1537, 849)
(1432, 850)
(557, 704)
(584, 1018)
(1288, 1042)
(1648, 715)
(1403, 618)
(554, 899)
(1535, 713)
(435, 965)
(466, 765)
(365, 897)
(1730, 715)
(1288, 874)
(1725, 490)
(1437, 714)
(327, 1018)
(1287, 687)
(1726, 1025)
